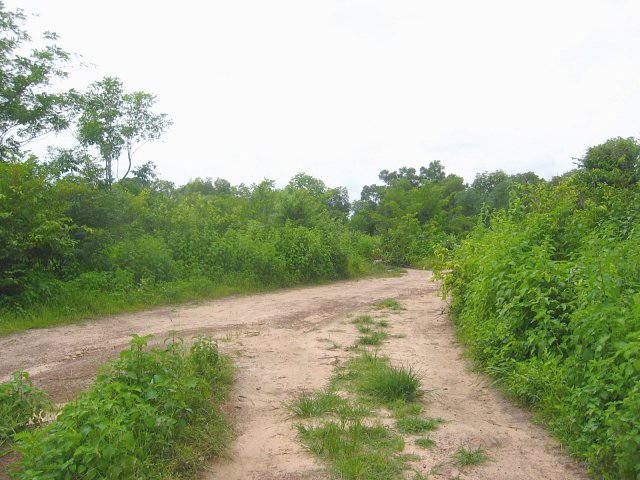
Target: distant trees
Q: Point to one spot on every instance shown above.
(116, 122)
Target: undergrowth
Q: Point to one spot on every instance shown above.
(149, 414)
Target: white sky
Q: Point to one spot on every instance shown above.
(342, 89)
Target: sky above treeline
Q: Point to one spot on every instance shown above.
(341, 89)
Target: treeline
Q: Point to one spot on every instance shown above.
(416, 213)
(77, 239)
(77, 248)
(547, 295)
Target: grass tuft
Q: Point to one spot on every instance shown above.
(466, 457)
(393, 383)
(425, 442)
(373, 339)
(413, 425)
(388, 304)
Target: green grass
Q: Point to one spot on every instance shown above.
(425, 442)
(383, 323)
(363, 320)
(388, 304)
(364, 329)
(402, 408)
(413, 425)
(392, 383)
(467, 457)
(373, 339)
(355, 450)
(309, 405)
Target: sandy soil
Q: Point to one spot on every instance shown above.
(290, 341)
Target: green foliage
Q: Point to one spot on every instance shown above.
(21, 404)
(142, 418)
(27, 109)
(392, 383)
(372, 339)
(546, 296)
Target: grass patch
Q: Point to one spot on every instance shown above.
(309, 405)
(467, 457)
(149, 414)
(355, 450)
(413, 425)
(402, 408)
(364, 329)
(388, 304)
(389, 384)
(425, 442)
(363, 320)
(373, 339)
(383, 323)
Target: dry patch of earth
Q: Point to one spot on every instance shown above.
(290, 341)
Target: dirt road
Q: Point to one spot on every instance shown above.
(290, 341)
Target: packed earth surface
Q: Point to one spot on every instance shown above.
(291, 341)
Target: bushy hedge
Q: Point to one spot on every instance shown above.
(547, 296)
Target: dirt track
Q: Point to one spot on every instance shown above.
(287, 342)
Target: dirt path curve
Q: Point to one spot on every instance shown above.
(290, 341)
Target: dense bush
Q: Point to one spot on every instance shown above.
(547, 295)
(140, 419)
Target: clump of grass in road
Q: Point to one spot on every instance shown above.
(365, 329)
(363, 320)
(413, 425)
(355, 450)
(390, 383)
(373, 339)
(466, 457)
(402, 408)
(425, 442)
(383, 323)
(309, 405)
(388, 304)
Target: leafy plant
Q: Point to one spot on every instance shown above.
(21, 405)
(145, 415)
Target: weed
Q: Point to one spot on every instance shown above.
(374, 339)
(392, 383)
(356, 450)
(388, 304)
(465, 457)
(314, 405)
(401, 408)
(364, 329)
(425, 442)
(363, 320)
(21, 404)
(413, 425)
(383, 324)
(150, 414)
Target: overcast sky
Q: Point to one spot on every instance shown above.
(342, 89)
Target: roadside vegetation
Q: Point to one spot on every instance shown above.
(150, 414)
(543, 275)
(546, 294)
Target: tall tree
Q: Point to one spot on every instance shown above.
(27, 109)
(117, 123)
